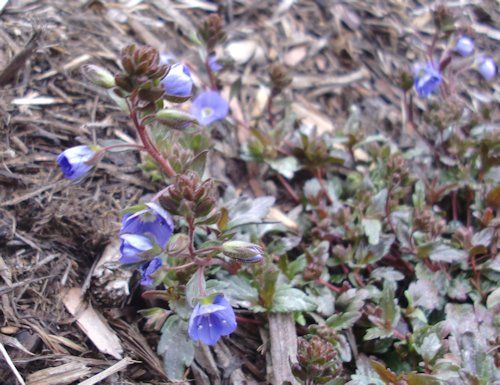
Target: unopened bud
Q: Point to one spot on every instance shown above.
(98, 75)
(176, 118)
(244, 251)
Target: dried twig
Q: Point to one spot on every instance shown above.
(11, 364)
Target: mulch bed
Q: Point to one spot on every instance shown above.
(52, 232)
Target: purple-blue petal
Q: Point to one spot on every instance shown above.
(153, 221)
(73, 161)
(178, 81)
(427, 79)
(209, 107)
(209, 322)
(464, 46)
(487, 67)
(148, 269)
(133, 247)
(214, 65)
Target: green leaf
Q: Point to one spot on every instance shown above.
(288, 299)
(372, 229)
(198, 163)
(493, 299)
(448, 254)
(422, 379)
(430, 346)
(484, 237)
(388, 303)
(176, 347)
(343, 320)
(419, 195)
(195, 286)
(386, 273)
(249, 211)
(240, 291)
(285, 166)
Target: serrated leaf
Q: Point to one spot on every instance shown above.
(176, 347)
(288, 299)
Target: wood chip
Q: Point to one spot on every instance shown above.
(283, 347)
(120, 365)
(92, 323)
(60, 375)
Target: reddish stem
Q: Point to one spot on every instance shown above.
(454, 205)
(288, 188)
(319, 176)
(148, 144)
(333, 288)
(245, 320)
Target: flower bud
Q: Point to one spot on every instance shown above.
(175, 118)
(178, 83)
(487, 67)
(75, 162)
(244, 251)
(427, 79)
(98, 75)
(464, 46)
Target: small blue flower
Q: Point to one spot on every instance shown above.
(214, 65)
(208, 107)
(209, 322)
(74, 161)
(153, 221)
(487, 67)
(178, 82)
(134, 248)
(148, 269)
(426, 79)
(464, 46)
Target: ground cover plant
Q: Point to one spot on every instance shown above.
(243, 232)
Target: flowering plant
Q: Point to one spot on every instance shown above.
(375, 231)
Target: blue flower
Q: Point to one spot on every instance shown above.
(426, 79)
(487, 67)
(214, 65)
(208, 107)
(74, 161)
(178, 82)
(210, 321)
(134, 248)
(153, 221)
(464, 46)
(148, 269)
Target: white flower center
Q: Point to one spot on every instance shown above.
(206, 112)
